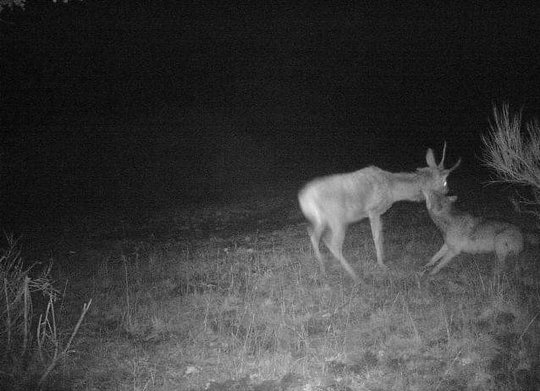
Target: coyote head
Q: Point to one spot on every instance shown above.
(438, 203)
(434, 175)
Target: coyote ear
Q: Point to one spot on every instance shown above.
(430, 159)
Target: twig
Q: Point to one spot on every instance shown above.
(27, 303)
(57, 357)
(8, 317)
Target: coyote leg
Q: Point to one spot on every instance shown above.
(315, 236)
(436, 257)
(444, 261)
(376, 231)
(336, 248)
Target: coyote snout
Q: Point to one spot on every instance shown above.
(331, 203)
(469, 234)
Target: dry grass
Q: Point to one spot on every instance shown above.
(32, 343)
(246, 309)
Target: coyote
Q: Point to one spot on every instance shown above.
(335, 201)
(466, 233)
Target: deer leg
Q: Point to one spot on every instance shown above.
(376, 231)
(315, 236)
(502, 251)
(500, 266)
(444, 261)
(336, 248)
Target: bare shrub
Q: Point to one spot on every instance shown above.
(513, 153)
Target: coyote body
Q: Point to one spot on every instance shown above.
(333, 202)
(466, 233)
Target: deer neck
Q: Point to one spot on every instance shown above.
(406, 187)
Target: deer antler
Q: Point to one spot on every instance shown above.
(441, 164)
(455, 165)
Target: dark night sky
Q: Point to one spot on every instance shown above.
(121, 102)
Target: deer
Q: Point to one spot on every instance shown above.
(333, 202)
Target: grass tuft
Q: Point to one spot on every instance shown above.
(32, 338)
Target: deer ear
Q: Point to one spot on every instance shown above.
(452, 198)
(430, 159)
